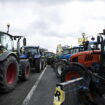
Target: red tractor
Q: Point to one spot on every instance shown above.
(82, 59)
(90, 66)
(11, 67)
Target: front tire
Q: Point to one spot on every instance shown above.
(25, 70)
(39, 65)
(60, 67)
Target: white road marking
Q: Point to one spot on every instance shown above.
(28, 97)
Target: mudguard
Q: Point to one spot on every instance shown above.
(87, 73)
(5, 54)
(79, 65)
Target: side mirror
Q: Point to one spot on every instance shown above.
(24, 41)
(98, 39)
(104, 31)
(93, 38)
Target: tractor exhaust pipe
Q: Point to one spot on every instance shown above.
(8, 26)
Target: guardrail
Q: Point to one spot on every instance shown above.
(67, 93)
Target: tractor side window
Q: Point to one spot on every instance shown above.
(6, 41)
(9, 43)
(66, 52)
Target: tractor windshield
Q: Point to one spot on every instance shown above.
(77, 49)
(66, 51)
(94, 45)
(6, 41)
(31, 50)
(48, 54)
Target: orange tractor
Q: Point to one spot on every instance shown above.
(81, 60)
(91, 66)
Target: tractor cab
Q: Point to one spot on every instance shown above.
(11, 43)
(66, 51)
(101, 41)
(77, 49)
(91, 45)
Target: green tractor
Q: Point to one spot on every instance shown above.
(11, 67)
(50, 56)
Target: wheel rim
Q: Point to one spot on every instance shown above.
(71, 76)
(59, 70)
(11, 73)
(27, 71)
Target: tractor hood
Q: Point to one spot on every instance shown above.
(23, 56)
(67, 56)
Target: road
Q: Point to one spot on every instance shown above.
(43, 92)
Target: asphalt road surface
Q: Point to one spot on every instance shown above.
(43, 92)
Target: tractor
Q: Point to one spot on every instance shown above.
(12, 67)
(33, 54)
(87, 58)
(91, 66)
(64, 58)
(50, 56)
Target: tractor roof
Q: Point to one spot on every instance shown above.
(31, 46)
(1, 32)
(12, 36)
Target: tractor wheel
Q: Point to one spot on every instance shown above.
(44, 65)
(71, 72)
(8, 74)
(60, 68)
(39, 65)
(25, 67)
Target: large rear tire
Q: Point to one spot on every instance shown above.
(8, 74)
(71, 72)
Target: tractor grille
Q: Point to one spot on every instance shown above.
(88, 57)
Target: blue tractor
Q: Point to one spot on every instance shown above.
(64, 58)
(34, 56)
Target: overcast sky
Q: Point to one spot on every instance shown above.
(50, 22)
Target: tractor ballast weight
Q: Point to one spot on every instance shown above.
(71, 93)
